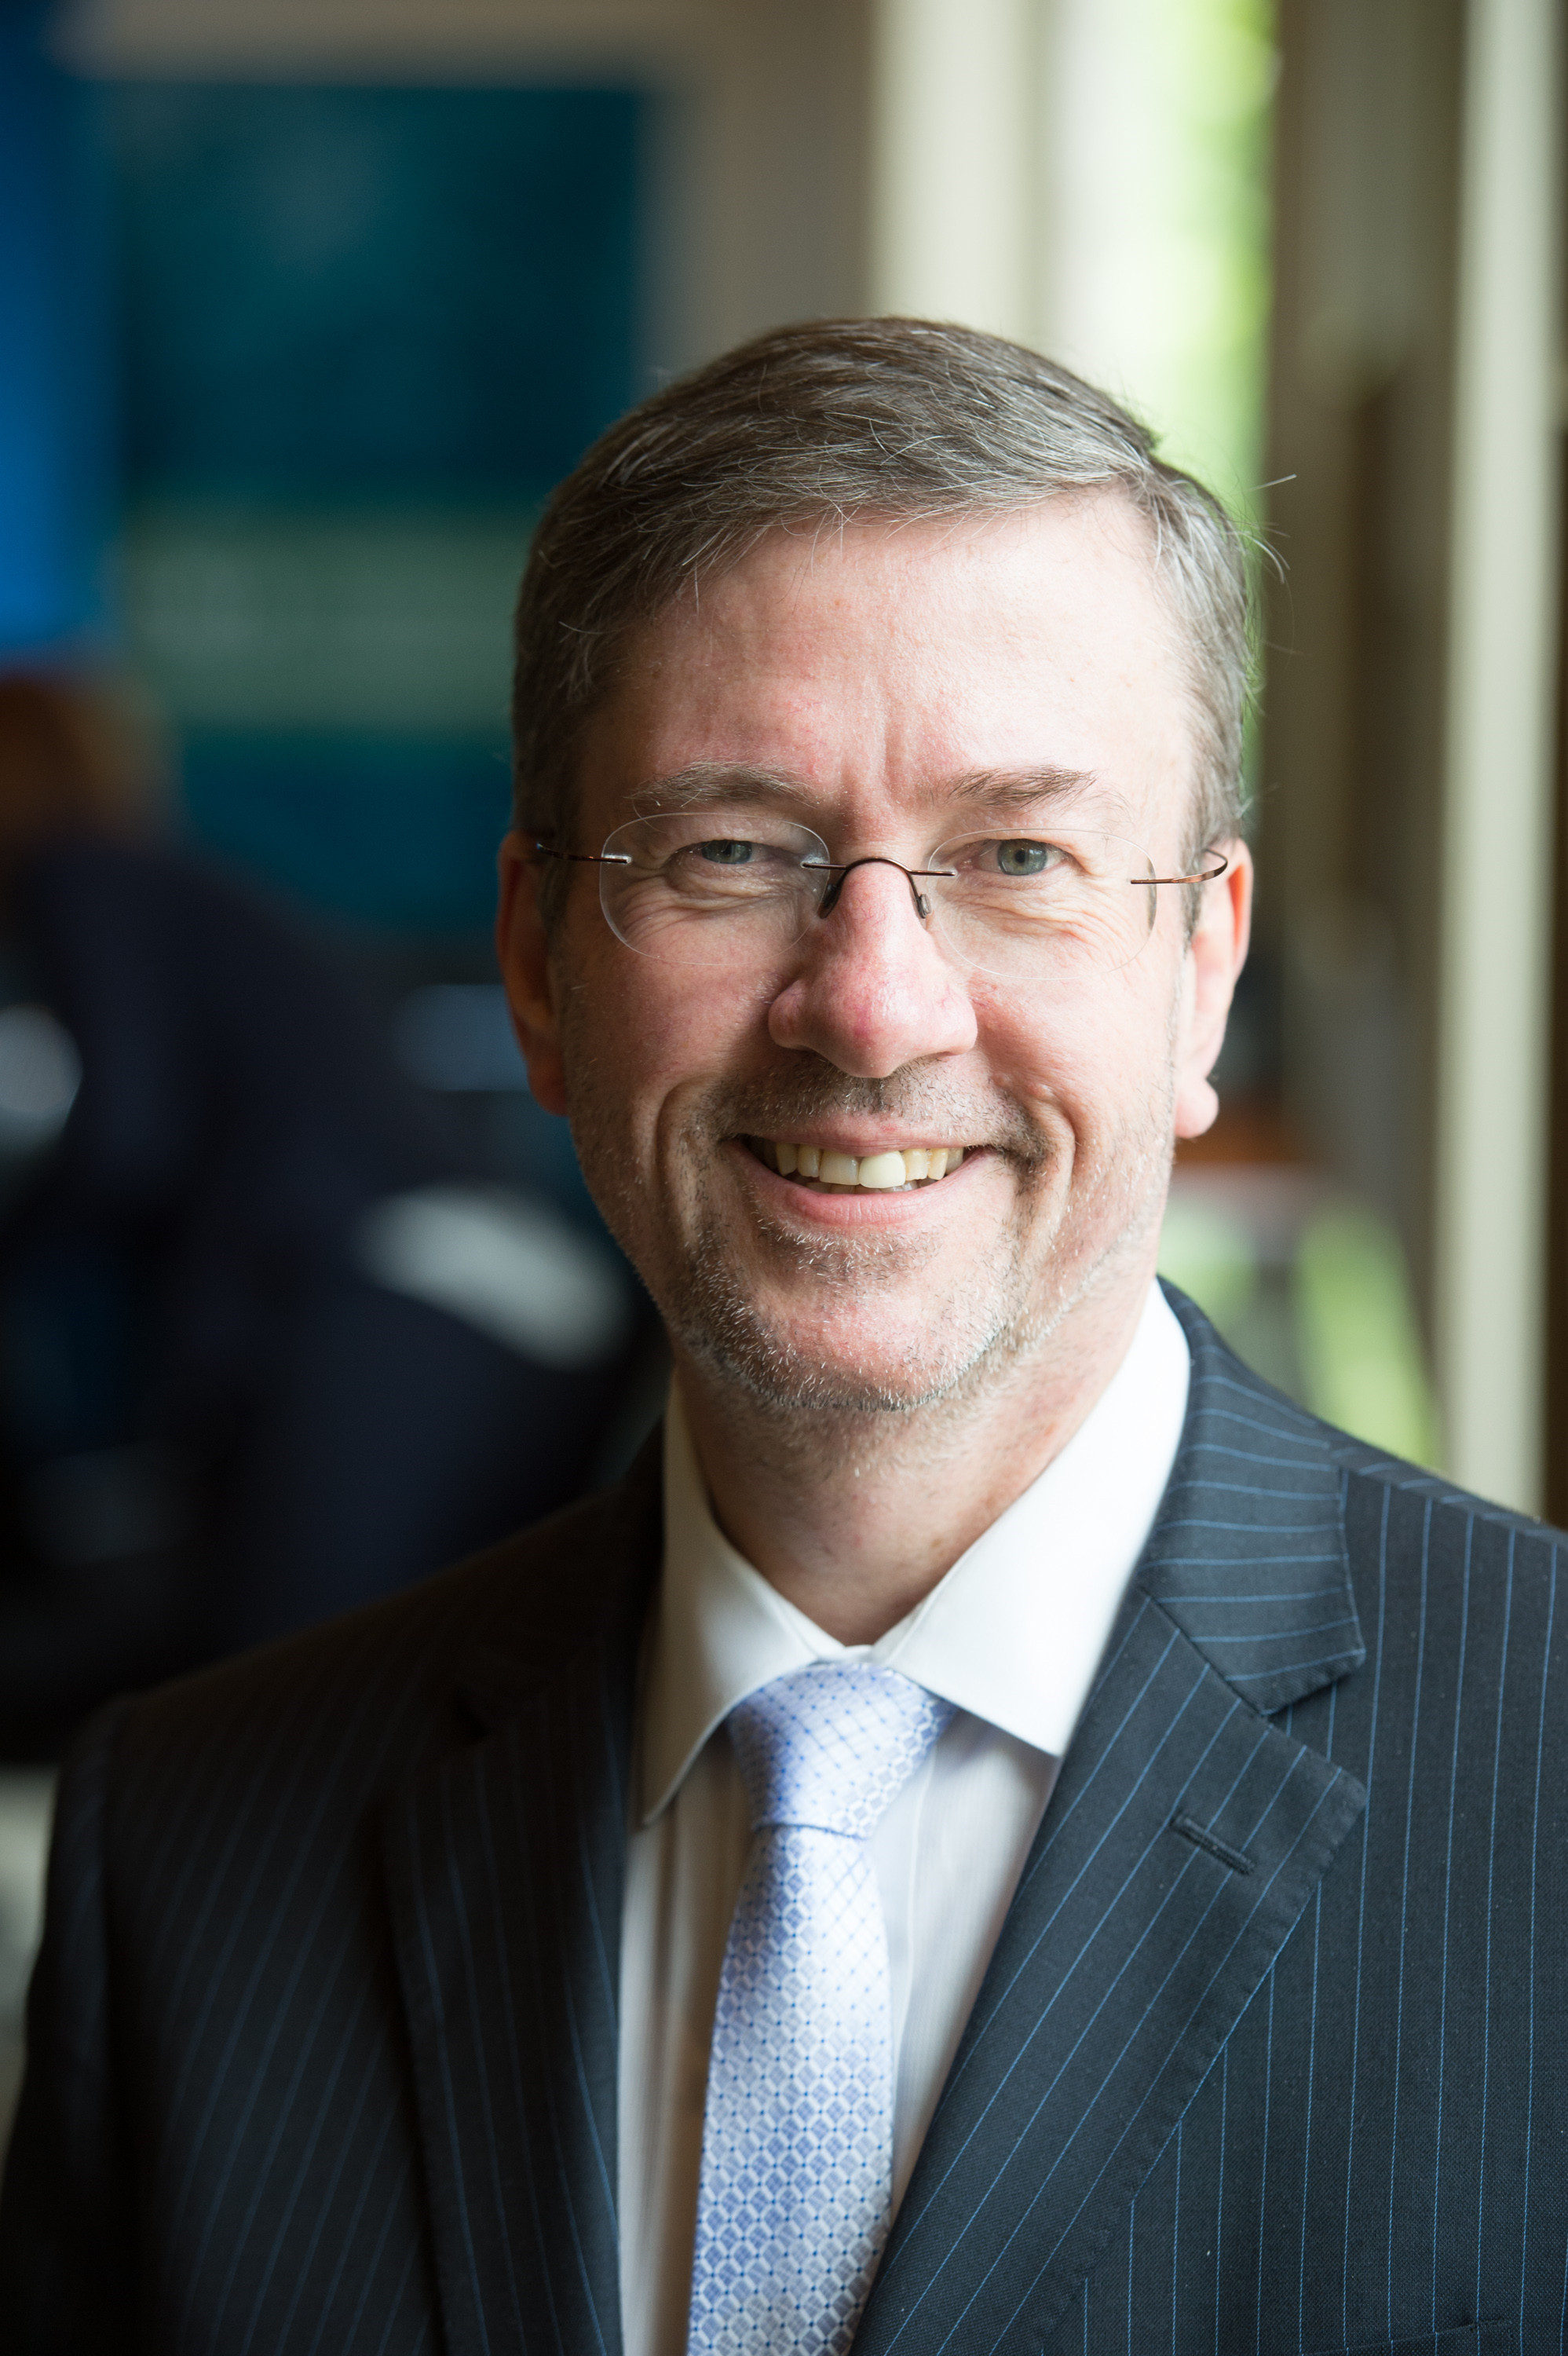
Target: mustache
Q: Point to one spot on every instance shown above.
(919, 1100)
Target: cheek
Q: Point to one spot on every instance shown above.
(1098, 1063)
(638, 1039)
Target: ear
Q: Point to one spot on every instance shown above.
(523, 953)
(1215, 955)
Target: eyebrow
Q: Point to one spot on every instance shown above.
(705, 783)
(1020, 789)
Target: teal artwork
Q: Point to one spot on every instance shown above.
(398, 833)
(372, 294)
(56, 427)
(363, 331)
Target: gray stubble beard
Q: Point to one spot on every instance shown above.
(715, 1320)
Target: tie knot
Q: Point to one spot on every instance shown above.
(831, 1746)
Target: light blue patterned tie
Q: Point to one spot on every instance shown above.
(797, 2137)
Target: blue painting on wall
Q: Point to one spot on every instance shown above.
(363, 331)
(373, 292)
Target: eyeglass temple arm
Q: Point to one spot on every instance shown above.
(1210, 875)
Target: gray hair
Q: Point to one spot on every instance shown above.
(840, 420)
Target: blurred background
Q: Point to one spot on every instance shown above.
(306, 305)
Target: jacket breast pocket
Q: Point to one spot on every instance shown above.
(1466, 2339)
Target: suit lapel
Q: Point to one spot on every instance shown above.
(506, 1870)
(1184, 1837)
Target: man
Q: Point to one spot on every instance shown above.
(1003, 1833)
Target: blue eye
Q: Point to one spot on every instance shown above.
(727, 853)
(1025, 858)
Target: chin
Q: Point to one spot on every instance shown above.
(802, 1368)
(781, 1380)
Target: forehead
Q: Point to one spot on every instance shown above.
(878, 664)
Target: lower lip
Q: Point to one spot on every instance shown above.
(890, 1207)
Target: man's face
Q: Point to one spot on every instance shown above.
(889, 688)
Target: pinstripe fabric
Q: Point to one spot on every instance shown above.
(1344, 2125)
(505, 1872)
(1383, 2154)
(324, 2021)
(1272, 2053)
(1129, 1954)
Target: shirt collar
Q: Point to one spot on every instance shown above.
(1012, 1633)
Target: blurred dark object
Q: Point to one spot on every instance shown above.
(267, 1348)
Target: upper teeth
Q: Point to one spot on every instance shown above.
(873, 1169)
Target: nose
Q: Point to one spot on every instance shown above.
(873, 990)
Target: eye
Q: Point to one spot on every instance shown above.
(1023, 858)
(725, 853)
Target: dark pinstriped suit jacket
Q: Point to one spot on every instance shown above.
(1272, 2052)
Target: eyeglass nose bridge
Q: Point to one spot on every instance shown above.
(912, 876)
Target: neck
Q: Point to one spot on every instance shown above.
(856, 1517)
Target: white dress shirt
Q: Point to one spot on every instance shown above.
(1012, 1635)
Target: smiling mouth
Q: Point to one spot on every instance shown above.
(869, 1173)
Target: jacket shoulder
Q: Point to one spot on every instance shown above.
(1367, 1471)
(1376, 1468)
